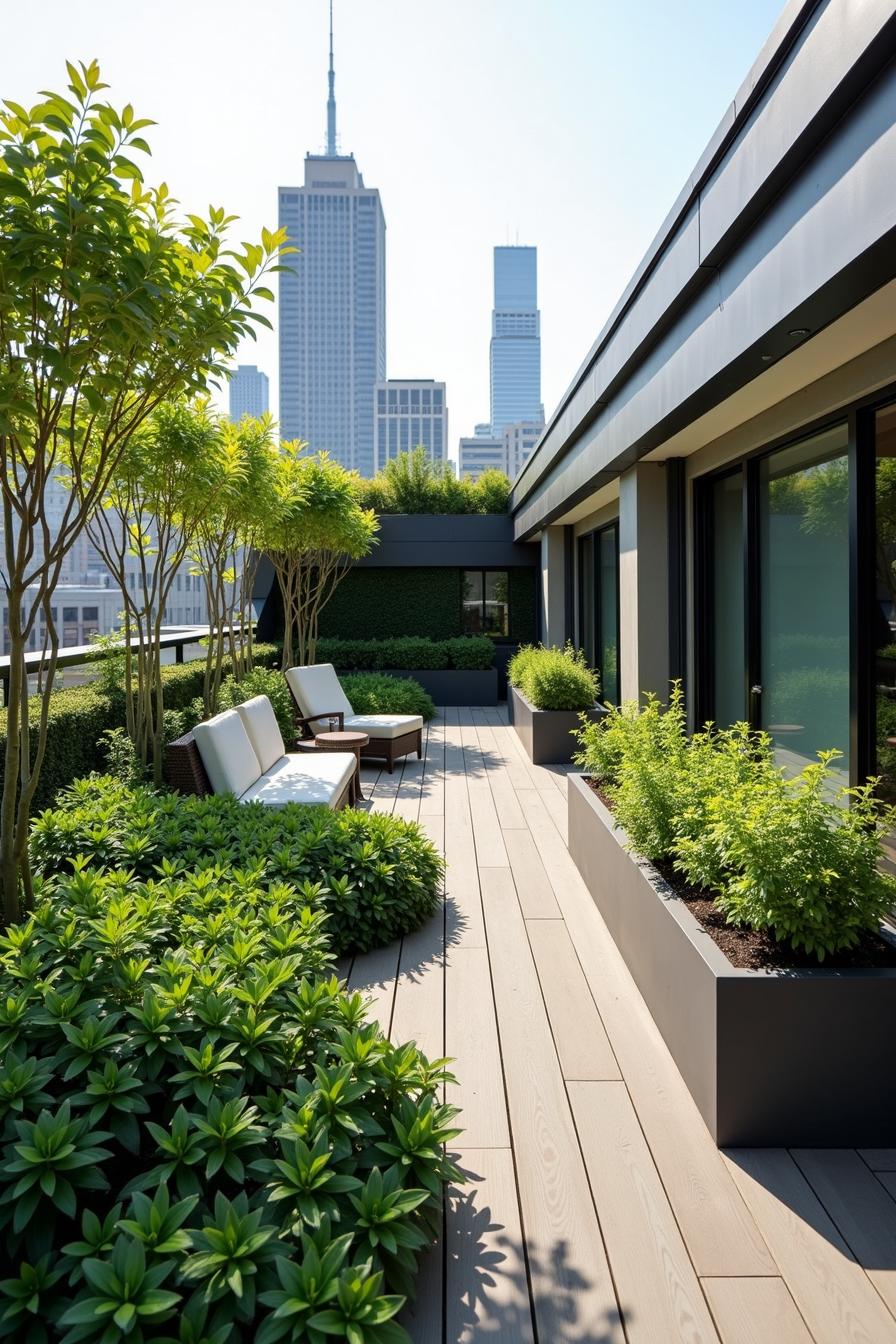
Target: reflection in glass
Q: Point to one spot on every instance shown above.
(608, 561)
(587, 598)
(804, 598)
(883, 634)
(486, 607)
(727, 599)
(472, 601)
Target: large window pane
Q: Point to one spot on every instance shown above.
(472, 581)
(727, 600)
(884, 627)
(608, 563)
(587, 597)
(804, 598)
(495, 611)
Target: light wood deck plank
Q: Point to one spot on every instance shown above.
(721, 1235)
(533, 887)
(424, 1317)
(861, 1208)
(755, 1311)
(572, 1289)
(657, 1287)
(418, 1012)
(579, 1036)
(836, 1298)
(487, 1291)
(373, 974)
(471, 1041)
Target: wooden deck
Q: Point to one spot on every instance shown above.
(597, 1208)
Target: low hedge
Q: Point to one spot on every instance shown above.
(202, 1138)
(552, 678)
(407, 654)
(79, 715)
(377, 693)
(378, 876)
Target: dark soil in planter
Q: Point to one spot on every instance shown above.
(756, 949)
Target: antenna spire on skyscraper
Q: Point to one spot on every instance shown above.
(331, 100)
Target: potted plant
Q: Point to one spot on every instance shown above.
(748, 908)
(549, 689)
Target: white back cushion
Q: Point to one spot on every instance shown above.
(260, 722)
(317, 690)
(227, 754)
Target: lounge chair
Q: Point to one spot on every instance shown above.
(241, 752)
(319, 697)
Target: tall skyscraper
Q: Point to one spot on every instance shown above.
(515, 351)
(479, 452)
(410, 413)
(248, 392)
(332, 308)
(519, 442)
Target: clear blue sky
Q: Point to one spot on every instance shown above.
(571, 125)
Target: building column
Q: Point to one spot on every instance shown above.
(553, 585)
(643, 581)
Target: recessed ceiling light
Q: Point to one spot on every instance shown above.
(799, 332)
(767, 358)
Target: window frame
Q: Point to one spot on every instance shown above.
(483, 570)
(595, 535)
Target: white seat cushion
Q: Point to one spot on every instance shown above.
(317, 692)
(260, 722)
(227, 753)
(304, 777)
(383, 725)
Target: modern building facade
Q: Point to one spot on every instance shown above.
(714, 496)
(481, 452)
(332, 305)
(248, 392)
(410, 413)
(515, 350)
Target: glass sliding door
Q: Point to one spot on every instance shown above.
(608, 611)
(598, 626)
(725, 627)
(883, 623)
(802, 589)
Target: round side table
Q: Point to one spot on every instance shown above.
(346, 741)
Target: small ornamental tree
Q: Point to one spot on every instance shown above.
(168, 479)
(225, 551)
(109, 305)
(315, 530)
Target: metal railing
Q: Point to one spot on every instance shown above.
(81, 654)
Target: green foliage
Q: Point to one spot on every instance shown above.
(262, 681)
(552, 678)
(377, 693)
(81, 716)
(413, 482)
(798, 856)
(378, 876)
(407, 654)
(201, 1136)
(377, 603)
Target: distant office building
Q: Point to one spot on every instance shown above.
(515, 351)
(480, 452)
(519, 441)
(248, 392)
(332, 306)
(410, 413)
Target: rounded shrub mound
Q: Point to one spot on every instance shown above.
(376, 876)
(552, 678)
(201, 1138)
(377, 693)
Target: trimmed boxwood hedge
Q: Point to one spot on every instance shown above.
(79, 715)
(408, 654)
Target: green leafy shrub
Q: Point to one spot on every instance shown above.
(412, 482)
(79, 716)
(201, 1136)
(379, 875)
(262, 681)
(407, 653)
(797, 856)
(377, 693)
(552, 678)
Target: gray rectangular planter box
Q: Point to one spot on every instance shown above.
(772, 1058)
(456, 686)
(546, 734)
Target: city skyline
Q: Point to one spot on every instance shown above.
(464, 158)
